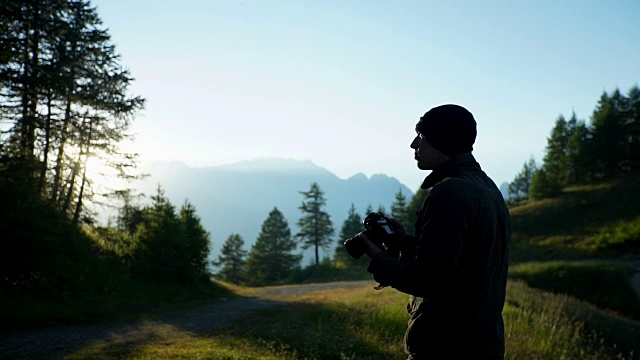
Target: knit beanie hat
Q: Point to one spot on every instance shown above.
(449, 128)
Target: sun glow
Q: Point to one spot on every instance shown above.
(99, 172)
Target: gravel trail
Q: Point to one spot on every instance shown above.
(58, 342)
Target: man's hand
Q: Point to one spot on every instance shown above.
(398, 227)
(372, 249)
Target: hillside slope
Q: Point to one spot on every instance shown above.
(590, 221)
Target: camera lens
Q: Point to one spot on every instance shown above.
(355, 247)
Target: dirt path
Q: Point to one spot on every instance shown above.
(56, 343)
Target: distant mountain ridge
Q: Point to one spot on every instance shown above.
(237, 198)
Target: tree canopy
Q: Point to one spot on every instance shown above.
(578, 152)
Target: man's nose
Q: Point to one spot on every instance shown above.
(414, 144)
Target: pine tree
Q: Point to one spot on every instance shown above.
(315, 224)
(197, 244)
(232, 260)
(64, 100)
(412, 209)
(130, 215)
(632, 127)
(521, 184)
(64, 97)
(555, 160)
(271, 259)
(543, 185)
(351, 226)
(578, 157)
(368, 210)
(608, 137)
(161, 243)
(399, 207)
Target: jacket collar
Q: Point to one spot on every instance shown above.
(447, 168)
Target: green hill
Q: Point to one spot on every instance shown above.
(585, 243)
(591, 221)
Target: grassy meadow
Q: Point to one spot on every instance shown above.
(369, 324)
(568, 297)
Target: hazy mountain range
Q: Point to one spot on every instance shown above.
(237, 198)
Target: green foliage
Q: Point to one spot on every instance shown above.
(232, 260)
(622, 236)
(351, 226)
(556, 162)
(45, 254)
(608, 135)
(368, 210)
(412, 209)
(65, 101)
(159, 254)
(632, 127)
(544, 185)
(316, 228)
(520, 186)
(64, 98)
(196, 244)
(329, 271)
(270, 259)
(399, 208)
(579, 153)
(164, 247)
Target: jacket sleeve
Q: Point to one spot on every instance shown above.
(439, 244)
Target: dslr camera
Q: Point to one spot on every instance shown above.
(379, 231)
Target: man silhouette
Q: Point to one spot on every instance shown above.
(455, 265)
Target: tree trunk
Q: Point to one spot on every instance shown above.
(47, 145)
(56, 193)
(76, 213)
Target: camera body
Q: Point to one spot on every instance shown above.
(378, 230)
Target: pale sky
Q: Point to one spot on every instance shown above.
(342, 83)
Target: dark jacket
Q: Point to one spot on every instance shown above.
(456, 268)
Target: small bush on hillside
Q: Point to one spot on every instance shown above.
(623, 235)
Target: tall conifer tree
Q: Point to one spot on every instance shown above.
(521, 184)
(271, 258)
(608, 138)
(578, 156)
(632, 127)
(316, 228)
(161, 243)
(399, 207)
(351, 226)
(64, 97)
(196, 243)
(555, 159)
(232, 260)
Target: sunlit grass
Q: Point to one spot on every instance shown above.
(367, 324)
(602, 283)
(541, 325)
